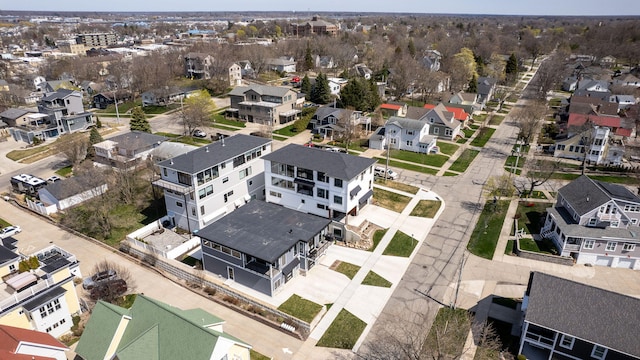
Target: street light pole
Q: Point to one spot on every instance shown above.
(115, 100)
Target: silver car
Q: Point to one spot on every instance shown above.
(98, 278)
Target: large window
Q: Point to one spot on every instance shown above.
(611, 246)
(628, 247)
(305, 189)
(337, 199)
(184, 179)
(588, 244)
(282, 169)
(337, 182)
(245, 172)
(322, 193)
(322, 177)
(305, 173)
(207, 175)
(238, 160)
(282, 183)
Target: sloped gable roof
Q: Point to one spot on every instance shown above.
(415, 112)
(13, 113)
(406, 123)
(585, 194)
(60, 94)
(602, 317)
(458, 113)
(442, 116)
(278, 91)
(11, 337)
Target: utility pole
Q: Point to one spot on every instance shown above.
(115, 100)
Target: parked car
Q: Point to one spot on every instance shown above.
(199, 133)
(53, 179)
(98, 278)
(380, 172)
(9, 231)
(335, 149)
(108, 289)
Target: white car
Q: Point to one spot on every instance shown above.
(199, 133)
(9, 231)
(390, 174)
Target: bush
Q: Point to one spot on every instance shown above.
(231, 300)
(209, 290)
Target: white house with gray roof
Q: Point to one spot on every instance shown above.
(404, 134)
(263, 245)
(596, 223)
(564, 319)
(204, 184)
(126, 151)
(323, 183)
(66, 193)
(266, 105)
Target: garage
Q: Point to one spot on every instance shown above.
(603, 261)
(626, 263)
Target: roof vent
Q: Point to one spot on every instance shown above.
(171, 161)
(222, 139)
(206, 149)
(587, 199)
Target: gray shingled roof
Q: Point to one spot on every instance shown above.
(333, 164)
(485, 84)
(585, 194)
(260, 89)
(67, 188)
(263, 230)
(406, 123)
(136, 140)
(415, 112)
(13, 113)
(586, 312)
(6, 254)
(58, 94)
(214, 153)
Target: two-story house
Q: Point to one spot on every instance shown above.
(43, 299)
(564, 319)
(204, 184)
(334, 122)
(127, 150)
(323, 183)
(63, 113)
(266, 105)
(263, 245)
(595, 145)
(198, 65)
(404, 134)
(442, 122)
(595, 223)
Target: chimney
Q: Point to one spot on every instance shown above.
(171, 161)
(222, 139)
(206, 149)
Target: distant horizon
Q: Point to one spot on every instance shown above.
(572, 8)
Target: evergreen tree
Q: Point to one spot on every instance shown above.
(321, 93)
(94, 136)
(308, 58)
(98, 123)
(512, 65)
(473, 84)
(305, 86)
(412, 48)
(360, 94)
(139, 120)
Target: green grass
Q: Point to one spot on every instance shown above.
(221, 119)
(543, 247)
(449, 173)
(496, 120)
(480, 118)
(408, 166)
(189, 140)
(279, 138)
(254, 355)
(65, 171)
(4, 223)
(464, 160)
(483, 136)
(154, 110)
(300, 308)
(127, 301)
(122, 108)
(286, 131)
(397, 185)
(401, 245)
(531, 214)
(461, 141)
(450, 324)
(511, 162)
(487, 231)
(390, 200)
(344, 331)
(169, 135)
(448, 148)
(426, 208)
(348, 269)
(357, 145)
(377, 236)
(435, 160)
(374, 279)
(508, 250)
(468, 132)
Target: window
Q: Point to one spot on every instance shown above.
(567, 341)
(436, 130)
(409, 132)
(321, 206)
(593, 222)
(12, 268)
(614, 224)
(178, 203)
(43, 312)
(164, 171)
(202, 210)
(228, 195)
(634, 221)
(337, 182)
(193, 211)
(322, 177)
(589, 244)
(184, 178)
(322, 193)
(409, 143)
(448, 132)
(337, 199)
(245, 172)
(611, 246)
(598, 352)
(275, 194)
(632, 208)
(628, 247)
(225, 180)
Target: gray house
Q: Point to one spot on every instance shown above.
(564, 319)
(263, 245)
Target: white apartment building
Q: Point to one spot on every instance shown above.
(204, 184)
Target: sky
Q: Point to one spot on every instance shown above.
(498, 7)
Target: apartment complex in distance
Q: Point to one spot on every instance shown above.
(96, 40)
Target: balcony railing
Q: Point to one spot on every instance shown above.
(25, 294)
(541, 340)
(318, 251)
(572, 247)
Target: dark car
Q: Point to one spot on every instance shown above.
(98, 278)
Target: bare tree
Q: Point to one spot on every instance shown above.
(74, 147)
(197, 111)
(537, 171)
(110, 289)
(350, 131)
(528, 120)
(548, 75)
(499, 186)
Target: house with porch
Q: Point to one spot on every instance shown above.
(442, 122)
(600, 143)
(43, 299)
(204, 184)
(486, 88)
(262, 104)
(127, 150)
(152, 329)
(459, 113)
(263, 245)
(60, 112)
(404, 134)
(595, 223)
(565, 319)
(324, 183)
(333, 122)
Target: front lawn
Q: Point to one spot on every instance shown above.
(390, 200)
(464, 160)
(348, 269)
(401, 245)
(483, 136)
(220, 119)
(377, 236)
(344, 331)
(544, 246)
(300, 308)
(408, 166)
(448, 148)
(496, 120)
(374, 279)
(287, 131)
(435, 160)
(397, 185)
(452, 326)
(487, 231)
(426, 208)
